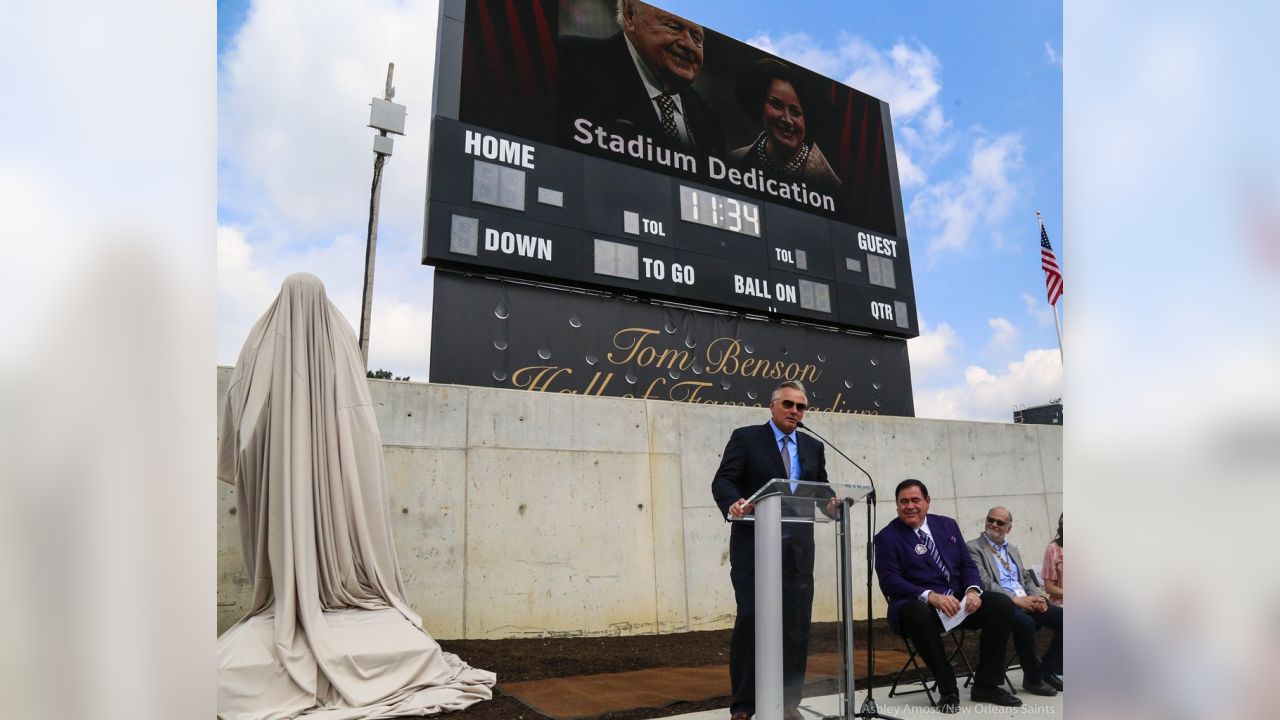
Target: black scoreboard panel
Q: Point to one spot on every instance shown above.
(502, 334)
(502, 204)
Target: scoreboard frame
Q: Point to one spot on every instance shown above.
(556, 209)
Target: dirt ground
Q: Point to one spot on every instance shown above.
(538, 659)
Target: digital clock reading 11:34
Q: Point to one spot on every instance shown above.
(719, 211)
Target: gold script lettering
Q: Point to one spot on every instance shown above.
(537, 377)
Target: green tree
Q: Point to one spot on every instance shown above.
(381, 374)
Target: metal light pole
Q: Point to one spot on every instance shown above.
(385, 117)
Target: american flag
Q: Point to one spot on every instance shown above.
(1048, 261)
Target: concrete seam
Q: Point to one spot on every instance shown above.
(1044, 479)
(951, 462)
(1044, 487)
(653, 521)
(684, 551)
(466, 506)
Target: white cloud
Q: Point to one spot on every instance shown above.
(955, 209)
(1003, 334)
(910, 175)
(933, 352)
(1038, 308)
(400, 337)
(296, 161)
(1033, 380)
(1051, 54)
(947, 214)
(294, 102)
(249, 278)
(905, 76)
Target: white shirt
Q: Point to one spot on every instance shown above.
(653, 88)
(925, 527)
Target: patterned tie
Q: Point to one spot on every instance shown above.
(668, 107)
(933, 553)
(786, 463)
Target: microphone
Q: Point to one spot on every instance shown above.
(869, 709)
(872, 495)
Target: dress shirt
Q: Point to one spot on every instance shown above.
(791, 451)
(654, 89)
(1008, 577)
(925, 527)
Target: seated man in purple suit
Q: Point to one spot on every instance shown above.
(925, 568)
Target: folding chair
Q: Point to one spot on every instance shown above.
(1010, 664)
(927, 684)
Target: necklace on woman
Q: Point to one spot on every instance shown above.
(791, 167)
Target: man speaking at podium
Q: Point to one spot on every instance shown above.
(755, 455)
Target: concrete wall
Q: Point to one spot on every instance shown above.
(522, 514)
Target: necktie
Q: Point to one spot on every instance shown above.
(786, 456)
(786, 462)
(668, 108)
(933, 553)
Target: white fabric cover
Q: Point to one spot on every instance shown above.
(328, 633)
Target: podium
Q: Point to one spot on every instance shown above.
(795, 501)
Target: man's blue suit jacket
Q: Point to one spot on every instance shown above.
(904, 573)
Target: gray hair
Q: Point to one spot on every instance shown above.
(640, 8)
(1005, 509)
(796, 384)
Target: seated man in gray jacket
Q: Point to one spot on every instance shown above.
(1002, 570)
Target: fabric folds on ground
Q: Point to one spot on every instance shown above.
(328, 633)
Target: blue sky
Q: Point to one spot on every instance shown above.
(975, 91)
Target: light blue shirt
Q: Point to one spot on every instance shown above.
(791, 450)
(1008, 577)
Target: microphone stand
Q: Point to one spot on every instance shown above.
(869, 708)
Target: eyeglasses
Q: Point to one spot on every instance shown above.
(997, 522)
(788, 404)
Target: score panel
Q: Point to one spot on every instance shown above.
(501, 204)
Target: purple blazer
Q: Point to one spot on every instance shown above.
(904, 573)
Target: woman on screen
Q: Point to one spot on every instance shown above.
(769, 91)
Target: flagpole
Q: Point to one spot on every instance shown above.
(1057, 324)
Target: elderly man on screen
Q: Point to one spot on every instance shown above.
(1003, 571)
(640, 81)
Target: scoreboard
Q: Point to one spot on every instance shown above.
(505, 205)
(542, 169)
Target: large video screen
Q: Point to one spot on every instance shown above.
(581, 74)
(614, 146)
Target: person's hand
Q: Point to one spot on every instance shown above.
(1028, 603)
(832, 509)
(945, 602)
(740, 508)
(972, 601)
